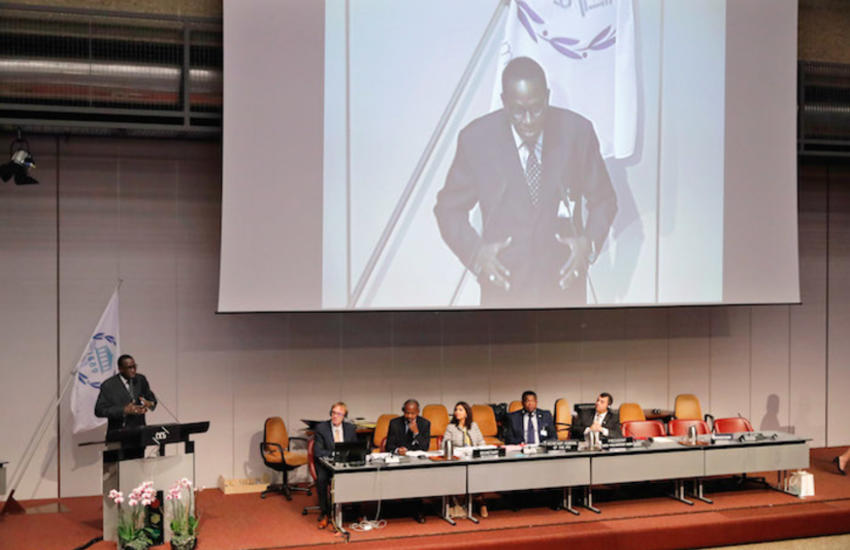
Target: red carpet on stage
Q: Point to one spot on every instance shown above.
(629, 519)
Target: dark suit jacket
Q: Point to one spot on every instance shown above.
(113, 397)
(545, 426)
(487, 171)
(399, 436)
(585, 420)
(324, 445)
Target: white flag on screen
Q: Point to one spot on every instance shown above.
(587, 48)
(97, 363)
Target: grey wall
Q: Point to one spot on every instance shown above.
(148, 212)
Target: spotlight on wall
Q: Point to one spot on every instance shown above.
(20, 162)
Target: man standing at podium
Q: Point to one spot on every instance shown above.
(125, 398)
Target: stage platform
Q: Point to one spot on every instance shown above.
(634, 516)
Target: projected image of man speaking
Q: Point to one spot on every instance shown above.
(545, 197)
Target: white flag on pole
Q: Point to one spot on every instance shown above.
(587, 48)
(97, 363)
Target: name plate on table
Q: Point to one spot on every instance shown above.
(565, 445)
(757, 436)
(488, 453)
(619, 443)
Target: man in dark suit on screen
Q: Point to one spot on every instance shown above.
(125, 398)
(530, 425)
(545, 196)
(328, 433)
(599, 419)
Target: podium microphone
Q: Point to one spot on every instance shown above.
(171, 414)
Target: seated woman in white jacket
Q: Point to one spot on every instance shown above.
(463, 432)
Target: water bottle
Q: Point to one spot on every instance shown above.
(448, 449)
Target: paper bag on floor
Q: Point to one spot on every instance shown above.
(801, 483)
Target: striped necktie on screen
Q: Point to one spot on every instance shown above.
(532, 173)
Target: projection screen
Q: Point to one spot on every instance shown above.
(373, 159)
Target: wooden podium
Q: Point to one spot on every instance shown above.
(125, 465)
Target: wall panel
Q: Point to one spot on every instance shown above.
(148, 212)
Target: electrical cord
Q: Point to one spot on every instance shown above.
(377, 523)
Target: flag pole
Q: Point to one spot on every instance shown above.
(12, 506)
(426, 155)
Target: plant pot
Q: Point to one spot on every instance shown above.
(185, 545)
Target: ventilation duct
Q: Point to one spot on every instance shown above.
(94, 72)
(824, 109)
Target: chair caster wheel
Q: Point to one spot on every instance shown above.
(309, 493)
(303, 512)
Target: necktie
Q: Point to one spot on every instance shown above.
(529, 431)
(598, 419)
(132, 383)
(532, 174)
(337, 436)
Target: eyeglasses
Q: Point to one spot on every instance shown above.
(337, 413)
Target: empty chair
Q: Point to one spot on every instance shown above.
(277, 455)
(514, 406)
(629, 412)
(486, 420)
(680, 427)
(438, 416)
(563, 419)
(732, 425)
(379, 437)
(642, 429)
(687, 407)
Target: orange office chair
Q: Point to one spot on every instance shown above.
(680, 427)
(379, 437)
(732, 425)
(687, 407)
(563, 419)
(438, 416)
(642, 429)
(311, 465)
(484, 416)
(629, 412)
(277, 455)
(514, 406)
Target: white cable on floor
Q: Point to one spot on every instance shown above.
(371, 525)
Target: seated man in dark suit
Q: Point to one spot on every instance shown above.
(600, 419)
(410, 432)
(327, 433)
(530, 425)
(125, 398)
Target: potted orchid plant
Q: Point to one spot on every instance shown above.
(184, 520)
(133, 534)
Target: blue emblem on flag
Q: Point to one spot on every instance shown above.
(99, 359)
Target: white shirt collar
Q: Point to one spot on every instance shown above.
(538, 147)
